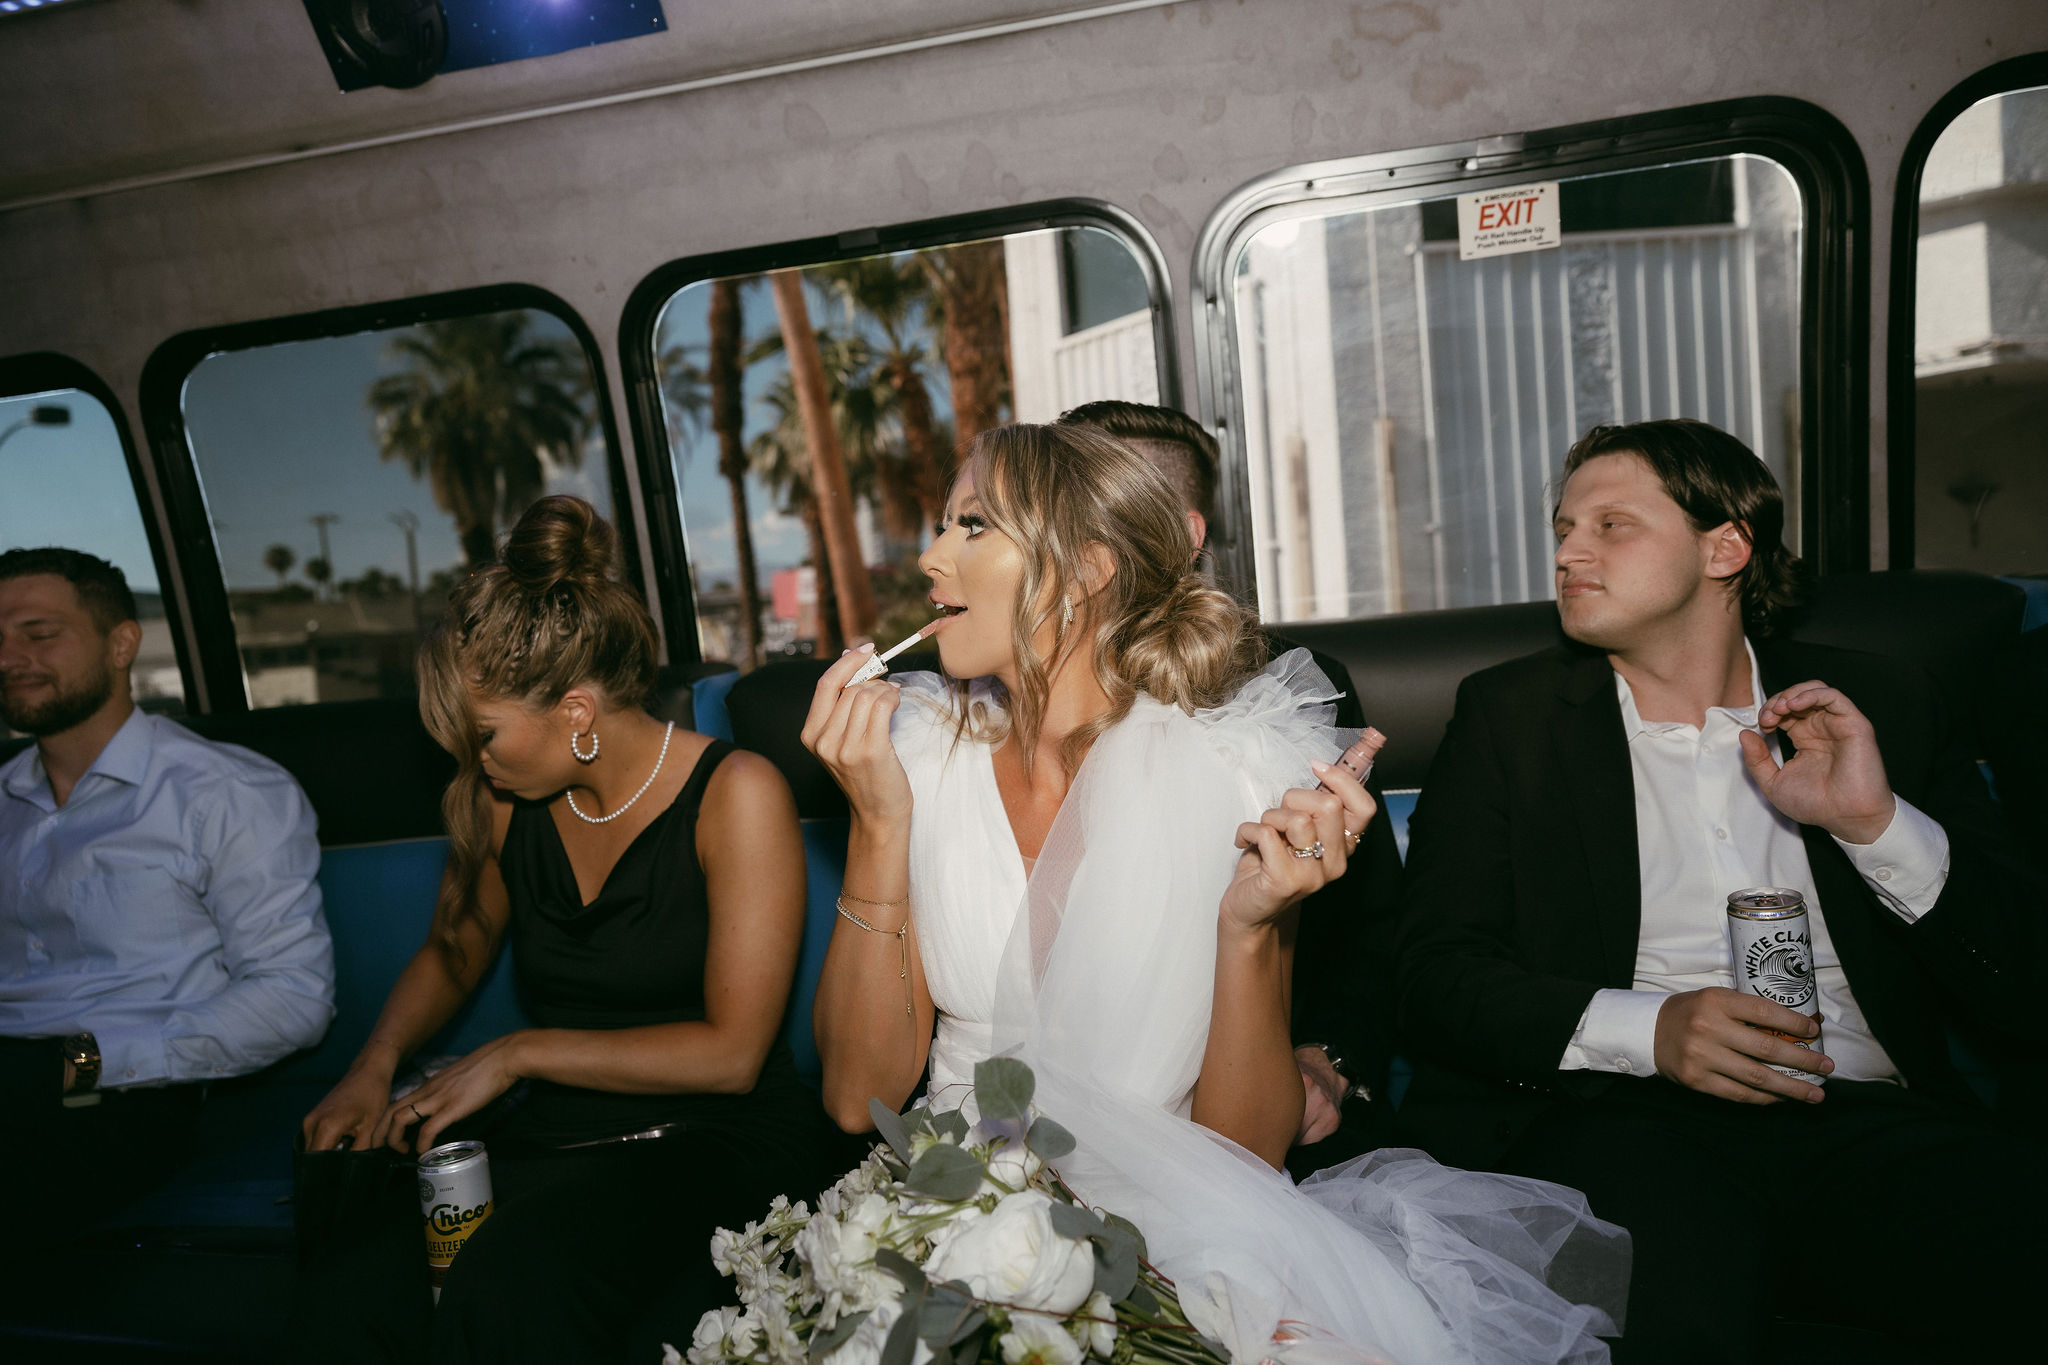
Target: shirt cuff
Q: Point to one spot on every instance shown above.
(132, 1056)
(1618, 1032)
(1907, 865)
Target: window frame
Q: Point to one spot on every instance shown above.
(1812, 145)
(170, 365)
(1901, 393)
(637, 357)
(43, 371)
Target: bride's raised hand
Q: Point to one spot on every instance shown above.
(848, 730)
(1304, 843)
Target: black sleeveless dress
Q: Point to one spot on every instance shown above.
(592, 1252)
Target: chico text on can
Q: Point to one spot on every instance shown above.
(455, 1199)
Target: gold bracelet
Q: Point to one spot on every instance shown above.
(902, 937)
(870, 900)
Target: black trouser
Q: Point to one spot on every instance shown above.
(70, 1166)
(1876, 1208)
(595, 1254)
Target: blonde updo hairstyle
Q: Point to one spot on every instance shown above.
(1154, 627)
(550, 615)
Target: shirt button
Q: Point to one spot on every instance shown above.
(35, 945)
(131, 1073)
(1623, 1065)
(1720, 833)
(1884, 874)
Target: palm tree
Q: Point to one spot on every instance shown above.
(895, 294)
(727, 403)
(479, 411)
(320, 571)
(972, 298)
(279, 560)
(830, 490)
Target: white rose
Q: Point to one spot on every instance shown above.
(1013, 1164)
(1098, 1337)
(1013, 1256)
(1034, 1339)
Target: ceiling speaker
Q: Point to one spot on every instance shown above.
(399, 43)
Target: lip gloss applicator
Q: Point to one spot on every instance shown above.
(877, 666)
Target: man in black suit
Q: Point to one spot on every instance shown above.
(1343, 1022)
(1564, 976)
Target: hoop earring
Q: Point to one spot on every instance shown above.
(1066, 612)
(582, 757)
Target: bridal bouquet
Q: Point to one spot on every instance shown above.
(953, 1244)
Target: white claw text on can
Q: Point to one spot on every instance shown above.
(1772, 953)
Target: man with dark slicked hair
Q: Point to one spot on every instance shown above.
(1343, 1023)
(160, 928)
(1567, 989)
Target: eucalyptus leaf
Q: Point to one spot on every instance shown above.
(1071, 1220)
(1003, 1086)
(903, 1268)
(975, 1320)
(825, 1342)
(901, 1347)
(890, 1125)
(950, 1124)
(1127, 1226)
(945, 1172)
(1144, 1300)
(1048, 1139)
(1116, 1266)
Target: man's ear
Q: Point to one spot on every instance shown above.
(124, 642)
(1198, 527)
(1728, 550)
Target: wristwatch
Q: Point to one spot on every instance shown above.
(82, 1050)
(1352, 1089)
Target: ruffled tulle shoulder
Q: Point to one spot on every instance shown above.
(1283, 717)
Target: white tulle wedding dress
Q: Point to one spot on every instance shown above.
(1097, 969)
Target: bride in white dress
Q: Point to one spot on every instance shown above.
(1089, 856)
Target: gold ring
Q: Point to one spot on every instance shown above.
(1351, 840)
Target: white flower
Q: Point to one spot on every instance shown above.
(1034, 1339)
(1098, 1337)
(839, 1262)
(707, 1343)
(1013, 1256)
(669, 1355)
(864, 1347)
(1013, 1164)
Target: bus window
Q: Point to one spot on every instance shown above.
(919, 350)
(68, 484)
(351, 481)
(1405, 411)
(1980, 343)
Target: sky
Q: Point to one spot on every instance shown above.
(281, 434)
(70, 486)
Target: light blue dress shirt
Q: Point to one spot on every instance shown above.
(168, 908)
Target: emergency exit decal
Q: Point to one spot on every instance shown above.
(1502, 222)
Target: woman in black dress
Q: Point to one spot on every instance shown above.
(650, 883)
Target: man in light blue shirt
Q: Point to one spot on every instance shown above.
(160, 927)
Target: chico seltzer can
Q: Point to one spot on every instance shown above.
(455, 1198)
(1773, 956)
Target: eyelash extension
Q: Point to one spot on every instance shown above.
(975, 525)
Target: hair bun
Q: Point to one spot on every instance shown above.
(559, 540)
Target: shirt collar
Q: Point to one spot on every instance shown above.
(1633, 725)
(125, 759)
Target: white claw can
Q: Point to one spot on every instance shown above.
(1772, 951)
(455, 1198)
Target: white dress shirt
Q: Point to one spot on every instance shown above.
(168, 908)
(1705, 829)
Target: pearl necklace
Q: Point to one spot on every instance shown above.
(606, 819)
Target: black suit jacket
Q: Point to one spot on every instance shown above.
(1523, 894)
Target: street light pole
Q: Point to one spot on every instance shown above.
(410, 524)
(321, 521)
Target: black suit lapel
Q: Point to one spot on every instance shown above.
(1591, 760)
